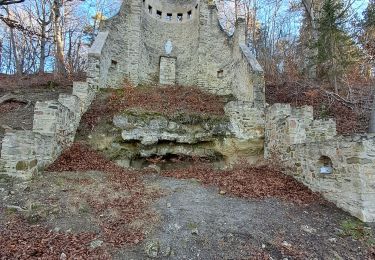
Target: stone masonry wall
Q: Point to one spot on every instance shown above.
(137, 38)
(55, 122)
(305, 146)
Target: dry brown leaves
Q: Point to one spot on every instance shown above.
(116, 230)
(348, 120)
(10, 106)
(19, 240)
(371, 254)
(251, 182)
(11, 82)
(168, 100)
(164, 100)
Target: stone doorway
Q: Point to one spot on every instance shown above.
(167, 71)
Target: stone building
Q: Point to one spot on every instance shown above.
(176, 42)
(168, 42)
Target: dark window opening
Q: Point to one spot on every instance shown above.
(196, 7)
(179, 17)
(169, 17)
(150, 9)
(220, 74)
(113, 65)
(159, 14)
(189, 14)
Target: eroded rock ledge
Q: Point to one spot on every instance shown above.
(152, 128)
(141, 134)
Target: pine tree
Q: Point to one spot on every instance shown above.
(335, 49)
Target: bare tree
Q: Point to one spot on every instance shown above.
(59, 43)
(44, 20)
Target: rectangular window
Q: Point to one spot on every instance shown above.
(179, 17)
(168, 17)
(189, 14)
(113, 66)
(220, 74)
(150, 9)
(159, 14)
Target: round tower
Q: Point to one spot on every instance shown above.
(169, 41)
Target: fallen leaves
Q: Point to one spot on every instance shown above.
(168, 100)
(348, 120)
(10, 106)
(251, 182)
(371, 253)
(116, 228)
(19, 240)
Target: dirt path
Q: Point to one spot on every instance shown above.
(190, 221)
(198, 223)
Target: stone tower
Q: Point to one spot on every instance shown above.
(175, 42)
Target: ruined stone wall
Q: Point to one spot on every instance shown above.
(216, 61)
(55, 122)
(205, 55)
(156, 32)
(307, 146)
(54, 126)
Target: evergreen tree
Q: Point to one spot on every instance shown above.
(335, 49)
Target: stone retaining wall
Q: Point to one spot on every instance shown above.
(309, 147)
(55, 122)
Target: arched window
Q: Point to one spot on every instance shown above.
(325, 165)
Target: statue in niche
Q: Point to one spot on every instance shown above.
(168, 47)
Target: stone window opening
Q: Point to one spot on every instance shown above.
(150, 9)
(189, 14)
(159, 14)
(325, 165)
(179, 17)
(169, 17)
(196, 7)
(220, 74)
(113, 66)
(113, 63)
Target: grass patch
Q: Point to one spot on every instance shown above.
(357, 230)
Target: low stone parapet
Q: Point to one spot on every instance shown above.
(54, 126)
(341, 168)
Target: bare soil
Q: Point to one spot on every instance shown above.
(53, 216)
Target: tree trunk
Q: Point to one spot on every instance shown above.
(14, 48)
(42, 53)
(59, 48)
(44, 19)
(372, 118)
